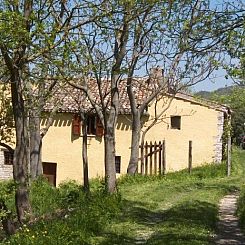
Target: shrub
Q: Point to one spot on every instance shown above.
(7, 190)
(85, 215)
(241, 208)
(44, 197)
(70, 194)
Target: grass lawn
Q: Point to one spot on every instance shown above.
(176, 209)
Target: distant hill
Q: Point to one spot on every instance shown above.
(220, 91)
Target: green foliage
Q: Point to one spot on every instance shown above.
(7, 189)
(241, 208)
(150, 209)
(65, 215)
(234, 44)
(236, 100)
(44, 197)
(241, 201)
(70, 194)
(12, 29)
(203, 172)
(178, 208)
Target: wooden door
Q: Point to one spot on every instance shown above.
(49, 172)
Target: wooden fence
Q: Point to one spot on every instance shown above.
(152, 158)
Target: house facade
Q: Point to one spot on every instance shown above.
(183, 119)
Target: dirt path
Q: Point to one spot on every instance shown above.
(229, 232)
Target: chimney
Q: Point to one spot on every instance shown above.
(156, 73)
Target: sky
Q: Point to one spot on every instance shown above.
(215, 81)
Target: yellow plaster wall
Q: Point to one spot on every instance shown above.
(123, 140)
(198, 123)
(59, 147)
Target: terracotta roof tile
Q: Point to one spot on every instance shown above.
(70, 99)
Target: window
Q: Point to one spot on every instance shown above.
(175, 122)
(94, 126)
(8, 157)
(91, 124)
(118, 164)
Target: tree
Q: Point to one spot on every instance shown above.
(235, 100)
(99, 53)
(182, 38)
(33, 38)
(235, 45)
(134, 37)
(234, 42)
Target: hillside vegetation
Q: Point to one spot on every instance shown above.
(178, 208)
(220, 92)
(234, 97)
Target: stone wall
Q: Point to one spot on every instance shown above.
(218, 138)
(6, 171)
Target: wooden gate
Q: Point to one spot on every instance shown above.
(152, 158)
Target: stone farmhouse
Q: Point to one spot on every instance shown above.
(184, 119)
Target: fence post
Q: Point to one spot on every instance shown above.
(151, 148)
(229, 156)
(142, 158)
(160, 158)
(163, 157)
(146, 158)
(190, 157)
(155, 157)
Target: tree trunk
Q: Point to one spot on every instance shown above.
(35, 146)
(85, 154)
(109, 136)
(134, 154)
(22, 151)
(110, 169)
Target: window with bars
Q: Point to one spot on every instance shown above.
(8, 157)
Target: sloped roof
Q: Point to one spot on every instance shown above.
(70, 99)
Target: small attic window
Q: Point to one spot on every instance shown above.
(175, 122)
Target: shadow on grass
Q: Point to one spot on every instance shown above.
(115, 239)
(187, 223)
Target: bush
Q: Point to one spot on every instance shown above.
(241, 208)
(44, 197)
(84, 216)
(7, 190)
(70, 193)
